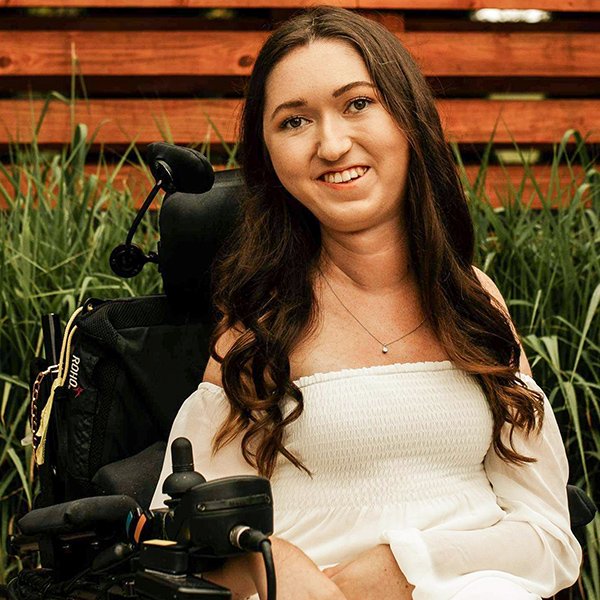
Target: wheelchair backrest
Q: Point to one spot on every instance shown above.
(193, 227)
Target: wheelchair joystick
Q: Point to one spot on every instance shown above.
(183, 476)
(205, 523)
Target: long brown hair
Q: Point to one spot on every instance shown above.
(264, 286)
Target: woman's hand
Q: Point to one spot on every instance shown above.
(298, 578)
(372, 575)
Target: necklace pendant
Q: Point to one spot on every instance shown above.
(384, 349)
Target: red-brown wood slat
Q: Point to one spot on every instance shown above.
(138, 52)
(498, 182)
(120, 122)
(534, 122)
(502, 183)
(552, 5)
(146, 53)
(123, 121)
(505, 54)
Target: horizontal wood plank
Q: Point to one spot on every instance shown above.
(535, 122)
(500, 183)
(446, 54)
(552, 5)
(503, 183)
(119, 122)
(141, 52)
(209, 53)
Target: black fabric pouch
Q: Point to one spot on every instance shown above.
(130, 365)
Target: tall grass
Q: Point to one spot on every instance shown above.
(61, 224)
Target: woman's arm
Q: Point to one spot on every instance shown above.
(298, 578)
(372, 575)
(530, 546)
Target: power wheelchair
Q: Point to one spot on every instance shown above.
(100, 422)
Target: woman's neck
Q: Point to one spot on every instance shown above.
(367, 260)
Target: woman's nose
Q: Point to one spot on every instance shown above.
(334, 141)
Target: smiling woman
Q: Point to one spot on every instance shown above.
(361, 361)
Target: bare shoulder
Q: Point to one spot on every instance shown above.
(212, 373)
(492, 289)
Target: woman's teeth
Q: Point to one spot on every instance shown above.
(344, 176)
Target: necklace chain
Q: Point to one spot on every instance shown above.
(384, 346)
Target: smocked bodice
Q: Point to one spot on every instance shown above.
(386, 435)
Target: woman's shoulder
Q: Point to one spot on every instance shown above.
(212, 372)
(488, 284)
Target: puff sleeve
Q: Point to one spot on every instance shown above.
(198, 419)
(531, 548)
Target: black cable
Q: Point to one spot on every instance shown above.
(267, 554)
(39, 584)
(254, 540)
(116, 564)
(12, 589)
(65, 587)
(34, 584)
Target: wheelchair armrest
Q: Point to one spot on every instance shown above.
(135, 476)
(77, 515)
(581, 507)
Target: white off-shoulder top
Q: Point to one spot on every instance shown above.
(401, 455)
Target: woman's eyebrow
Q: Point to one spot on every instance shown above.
(302, 102)
(349, 86)
(290, 104)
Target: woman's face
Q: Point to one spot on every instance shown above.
(332, 143)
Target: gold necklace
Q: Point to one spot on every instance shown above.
(385, 347)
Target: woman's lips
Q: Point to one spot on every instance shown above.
(345, 184)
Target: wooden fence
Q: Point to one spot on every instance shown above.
(176, 68)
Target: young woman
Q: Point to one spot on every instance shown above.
(361, 362)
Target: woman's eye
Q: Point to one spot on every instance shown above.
(292, 123)
(359, 104)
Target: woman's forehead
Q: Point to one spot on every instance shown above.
(323, 66)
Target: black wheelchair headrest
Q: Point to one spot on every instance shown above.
(193, 227)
